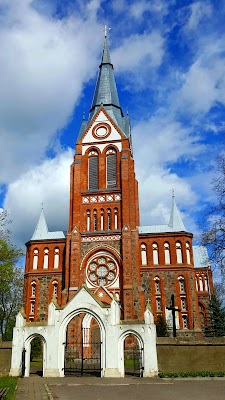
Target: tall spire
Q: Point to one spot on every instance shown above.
(41, 230)
(176, 222)
(106, 91)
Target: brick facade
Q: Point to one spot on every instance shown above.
(105, 247)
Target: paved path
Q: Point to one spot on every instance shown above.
(72, 388)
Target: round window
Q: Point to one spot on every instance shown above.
(102, 270)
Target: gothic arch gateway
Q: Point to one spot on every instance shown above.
(112, 336)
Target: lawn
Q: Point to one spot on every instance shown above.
(11, 383)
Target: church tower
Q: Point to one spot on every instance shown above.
(105, 248)
(102, 240)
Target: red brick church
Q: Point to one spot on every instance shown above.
(105, 248)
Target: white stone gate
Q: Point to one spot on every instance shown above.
(112, 332)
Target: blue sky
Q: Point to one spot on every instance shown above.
(169, 62)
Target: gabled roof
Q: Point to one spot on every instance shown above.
(175, 223)
(41, 231)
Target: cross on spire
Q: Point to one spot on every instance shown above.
(105, 29)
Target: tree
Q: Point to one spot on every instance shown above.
(216, 326)
(214, 236)
(161, 326)
(11, 280)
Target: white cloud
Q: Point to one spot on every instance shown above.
(48, 183)
(137, 9)
(199, 11)
(145, 48)
(204, 83)
(44, 63)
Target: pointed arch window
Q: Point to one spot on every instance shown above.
(179, 253)
(116, 218)
(155, 254)
(167, 252)
(33, 289)
(93, 170)
(95, 221)
(46, 251)
(88, 220)
(181, 284)
(188, 253)
(143, 254)
(102, 219)
(55, 288)
(35, 259)
(56, 258)
(111, 168)
(157, 284)
(109, 219)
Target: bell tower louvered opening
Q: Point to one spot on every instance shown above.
(111, 168)
(93, 171)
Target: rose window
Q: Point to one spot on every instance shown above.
(102, 271)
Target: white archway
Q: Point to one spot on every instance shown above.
(62, 335)
(27, 349)
(121, 348)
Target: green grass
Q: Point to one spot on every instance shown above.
(11, 383)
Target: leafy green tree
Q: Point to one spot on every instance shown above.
(11, 280)
(161, 326)
(216, 314)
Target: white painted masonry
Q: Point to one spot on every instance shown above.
(113, 333)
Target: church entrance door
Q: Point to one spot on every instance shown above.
(83, 346)
(133, 356)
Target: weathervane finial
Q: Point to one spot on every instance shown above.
(173, 193)
(106, 28)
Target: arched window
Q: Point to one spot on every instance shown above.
(88, 220)
(188, 253)
(181, 284)
(95, 228)
(179, 253)
(93, 170)
(46, 251)
(111, 168)
(143, 254)
(206, 284)
(33, 288)
(200, 284)
(116, 218)
(35, 259)
(108, 219)
(155, 254)
(56, 258)
(55, 288)
(157, 284)
(102, 219)
(167, 252)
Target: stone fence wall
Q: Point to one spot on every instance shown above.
(190, 354)
(174, 355)
(5, 357)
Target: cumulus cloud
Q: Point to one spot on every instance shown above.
(144, 48)
(198, 11)
(47, 183)
(44, 64)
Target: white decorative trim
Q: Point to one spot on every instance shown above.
(100, 238)
(101, 198)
